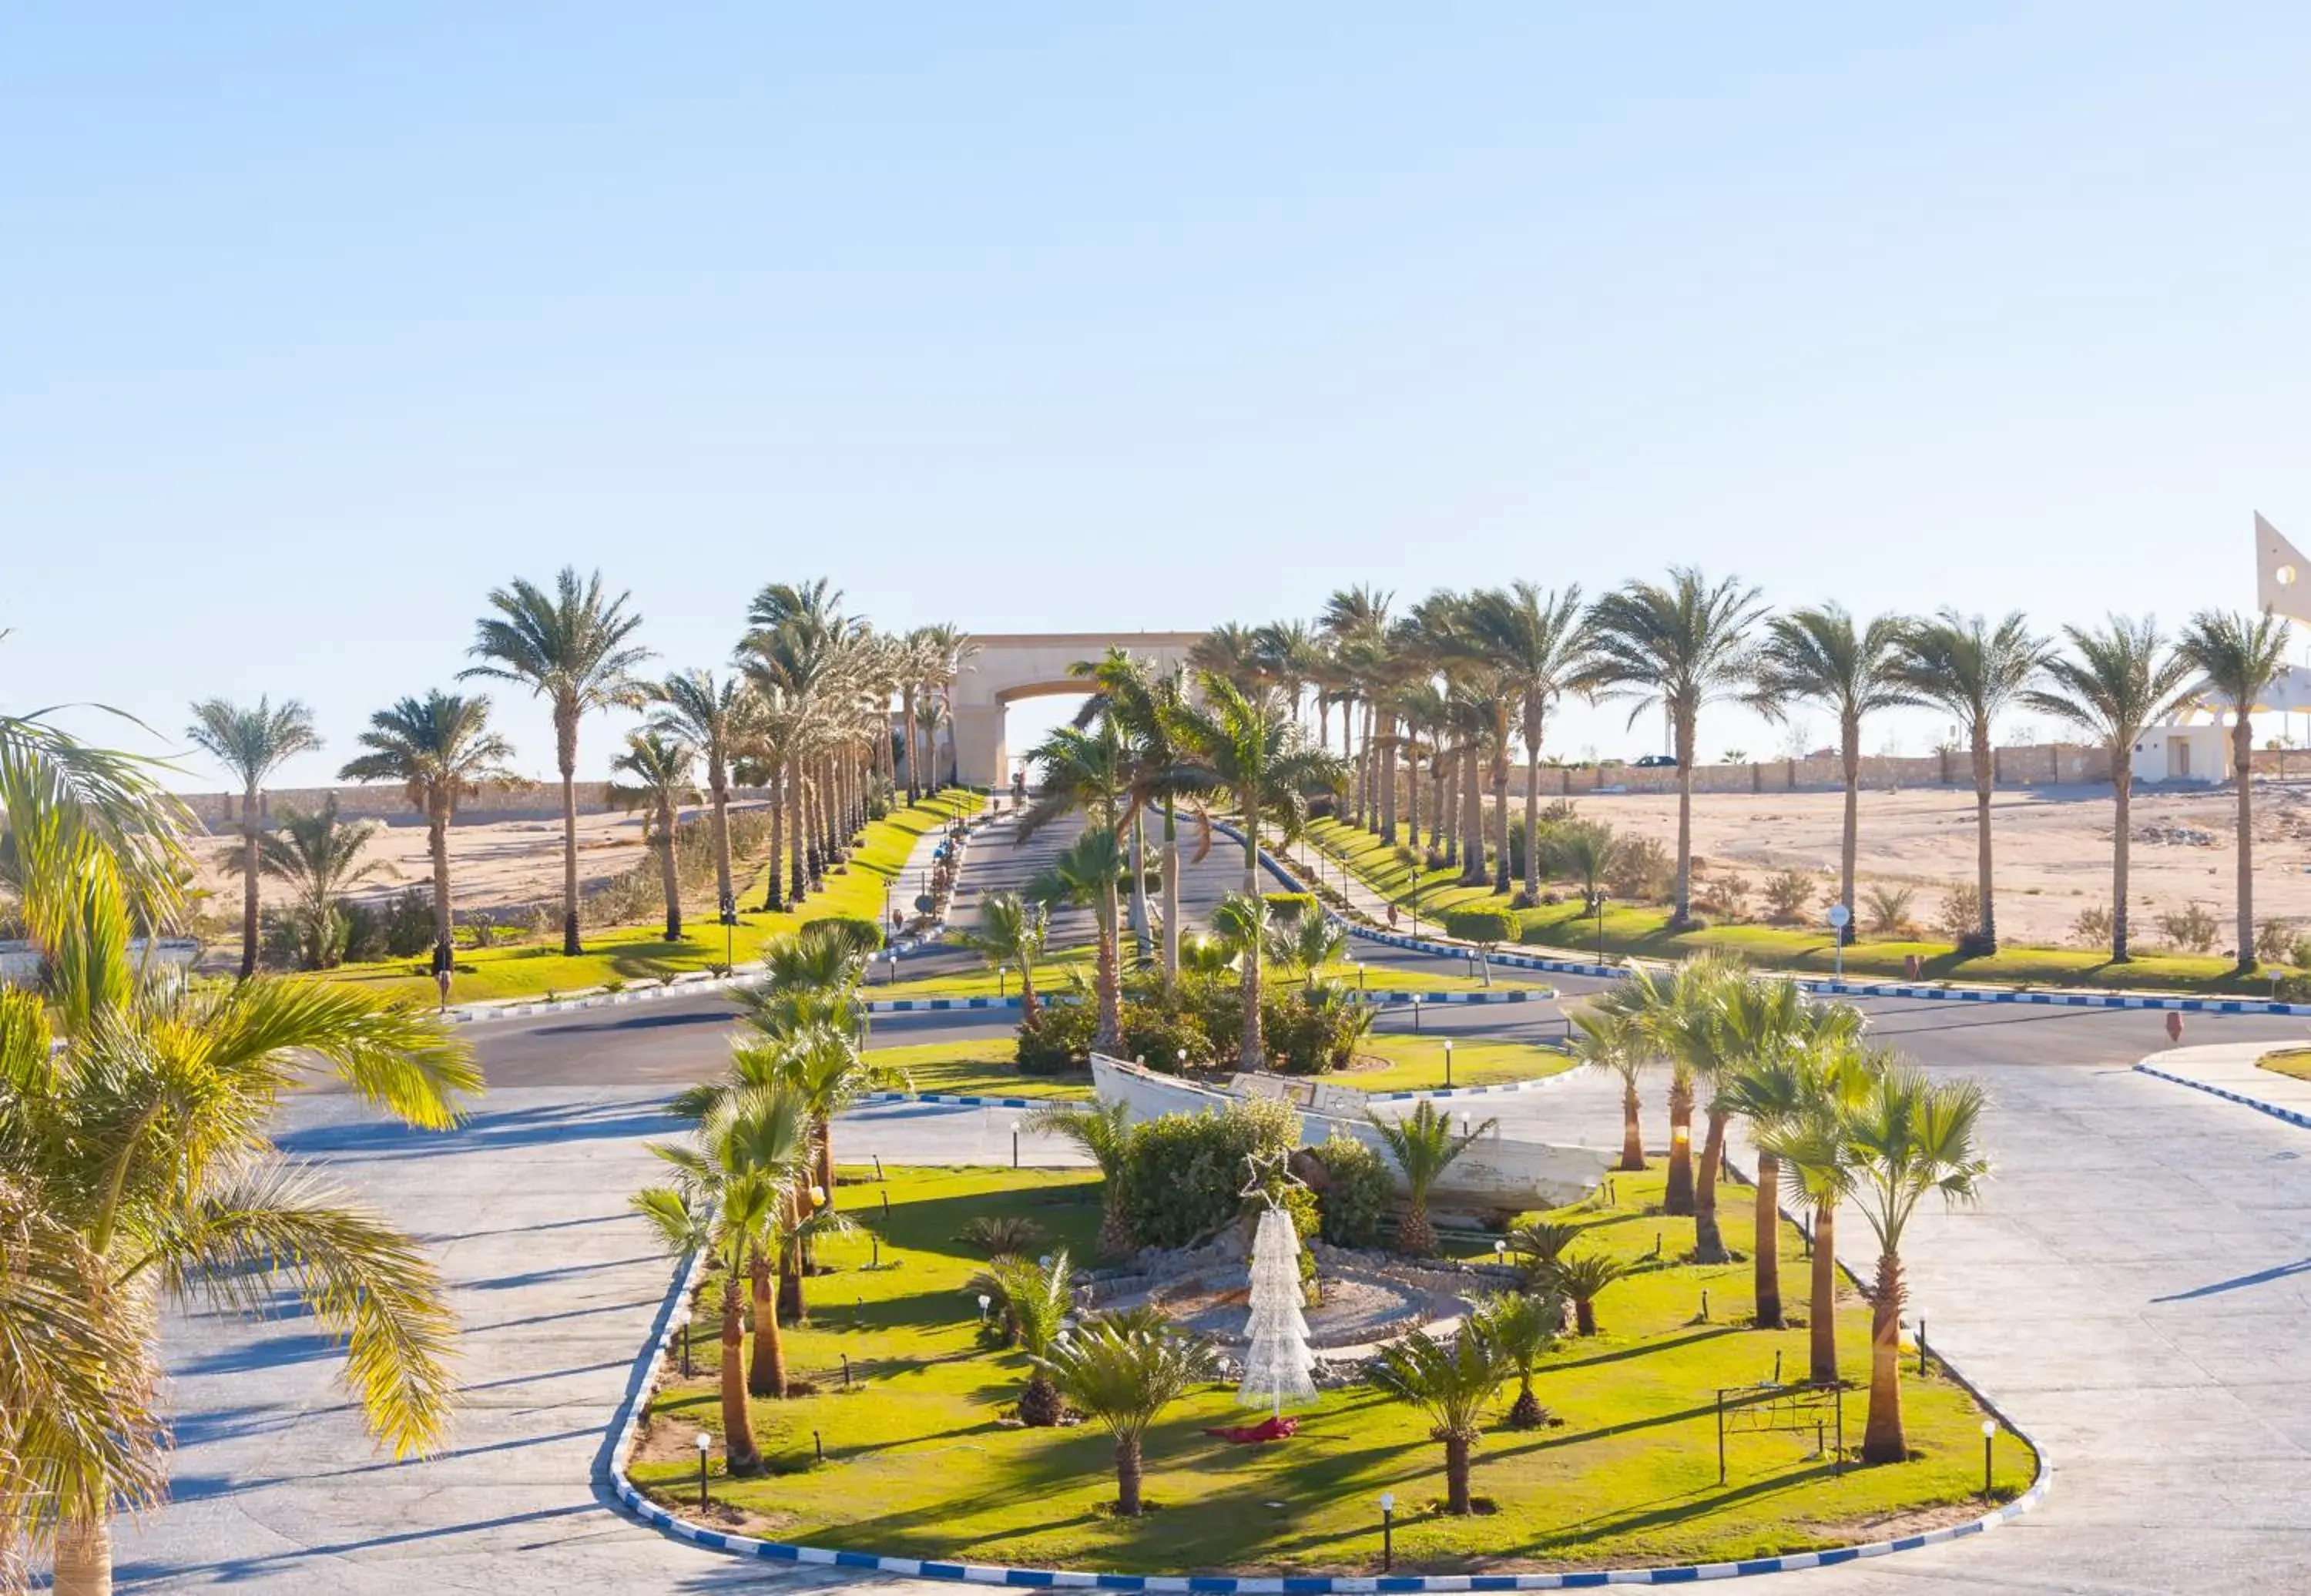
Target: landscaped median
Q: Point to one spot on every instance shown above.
(904, 1447)
(629, 957)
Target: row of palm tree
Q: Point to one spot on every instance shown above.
(804, 711)
(1447, 688)
(1834, 1121)
(137, 1162)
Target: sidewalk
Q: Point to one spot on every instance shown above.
(2228, 1071)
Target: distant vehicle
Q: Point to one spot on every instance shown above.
(1653, 762)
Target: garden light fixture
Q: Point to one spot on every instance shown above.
(1448, 1070)
(1989, 1436)
(1387, 1531)
(1015, 1144)
(705, 1444)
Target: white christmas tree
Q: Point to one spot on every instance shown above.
(1276, 1362)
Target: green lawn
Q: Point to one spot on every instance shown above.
(1643, 932)
(1416, 1062)
(978, 1069)
(917, 1462)
(638, 955)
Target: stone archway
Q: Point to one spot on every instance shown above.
(1014, 666)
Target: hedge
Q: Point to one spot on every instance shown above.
(1486, 925)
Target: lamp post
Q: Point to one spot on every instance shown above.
(985, 1301)
(1989, 1436)
(1360, 975)
(1387, 1531)
(1184, 1060)
(1416, 1014)
(1448, 1063)
(1922, 1343)
(705, 1444)
(1015, 1144)
(1596, 908)
(1501, 1255)
(1002, 972)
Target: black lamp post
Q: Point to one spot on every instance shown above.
(705, 1444)
(1387, 1531)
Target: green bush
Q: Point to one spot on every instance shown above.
(1184, 1174)
(1311, 1029)
(1157, 1033)
(1289, 907)
(863, 934)
(1357, 1193)
(1058, 1040)
(1485, 924)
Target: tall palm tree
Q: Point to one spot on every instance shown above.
(1253, 750)
(1289, 656)
(318, 857)
(657, 767)
(141, 1112)
(714, 715)
(1356, 620)
(568, 647)
(1538, 640)
(251, 744)
(2116, 681)
(1974, 671)
(728, 1201)
(441, 750)
(1083, 771)
(1611, 1039)
(1453, 1385)
(1651, 1002)
(2240, 656)
(1680, 646)
(1102, 1130)
(1816, 654)
(1834, 1074)
(1088, 871)
(950, 649)
(1231, 650)
(1123, 1374)
(1424, 1145)
(1908, 1137)
(1144, 707)
(1010, 931)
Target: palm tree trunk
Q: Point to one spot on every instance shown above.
(1412, 798)
(738, 1448)
(1388, 781)
(717, 790)
(565, 736)
(914, 766)
(1127, 1476)
(249, 854)
(1250, 1054)
(1677, 1197)
(1415, 1233)
(1882, 1441)
(1766, 1246)
(793, 1306)
(437, 848)
(1501, 878)
(1026, 992)
(2122, 789)
(669, 871)
(1633, 1139)
(1821, 1310)
(2243, 773)
(1171, 894)
(1473, 872)
(1108, 1037)
(83, 1558)
(1584, 1316)
(774, 889)
(1708, 1244)
(1532, 817)
(797, 847)
(1850, 840)
(1139, 876)
(1456, 1475)
(1986, 936)
(1683, 917)
(766, 1368)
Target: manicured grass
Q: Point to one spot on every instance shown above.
(641, 954)
(1643, 932)
(1053, 977)
(918, 1463)
(1416, 1062)
(980, 1068)
(2294, 1060)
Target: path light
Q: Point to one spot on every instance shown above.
(1448, 1075)
(1416, 1014)
(1501, 1253)
(1184, 1060)
(985, 1301)
(1360, 974)
(1002, 972)
(1989, 1436)
(1015, 1144)
(1464, 1128)
(705, 1444)
(1387, 1531)
(1922, 1342)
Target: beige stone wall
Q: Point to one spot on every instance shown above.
(221, 811)
(2040, 764)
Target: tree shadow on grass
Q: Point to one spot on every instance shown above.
(1642, 1349)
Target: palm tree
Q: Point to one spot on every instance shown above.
(1102, 1130)
(1538, 641)
(729, 1201)
(2118, 681)
(140, 1111)
(659, 766)
(716, 716)
(441, 750)
(949, 648)
(1524, 1326)
(1010, 931)
(1357, 620)
(320, 858)
(1453, 1385)
(1816, 654)
(1581, 1278)
(1613, 1040)
(1123, 1374)
(1908, 1137)
(569, 648)
(1963, 664)
(1649, 1002)
(1809, 1141)
(1036, 1298)
(1230, 651)
(1143, 709)
(2240, 656)
(1089, 871)
(1424, 1146)
(1306, 943)
(1680, 646)
(251, 744)
(1251, 749)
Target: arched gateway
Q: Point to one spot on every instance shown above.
(1032, 665)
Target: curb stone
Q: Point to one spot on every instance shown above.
(2292, 1116)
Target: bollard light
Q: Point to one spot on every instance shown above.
(1015, 1144)
(1989, 1436)
(985, 1301)
(1448, 1069)
(705, 1444)
(1387, 1531)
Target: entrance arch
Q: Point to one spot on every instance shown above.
(1014, 666)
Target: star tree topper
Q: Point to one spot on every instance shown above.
(1271, 1174)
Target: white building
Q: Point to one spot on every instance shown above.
(2179, 751)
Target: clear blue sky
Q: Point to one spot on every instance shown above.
(318, 321)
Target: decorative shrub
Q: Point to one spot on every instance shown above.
(863, 934)
(1789, 896)
(1885, 911)
(1184, 1174)
(1059, 1040)
(1159, 1033)
(1960, 914)
(2092, 927)
(1641, 871)
(1306, 1031)
(1726, 896)
(1290, 906)
(2192, 929)
(1358, 1192)
(1487, 924)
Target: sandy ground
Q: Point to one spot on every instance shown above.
(2053, 847)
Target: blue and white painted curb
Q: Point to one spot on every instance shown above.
(675, 1317)
(2292, 1116)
